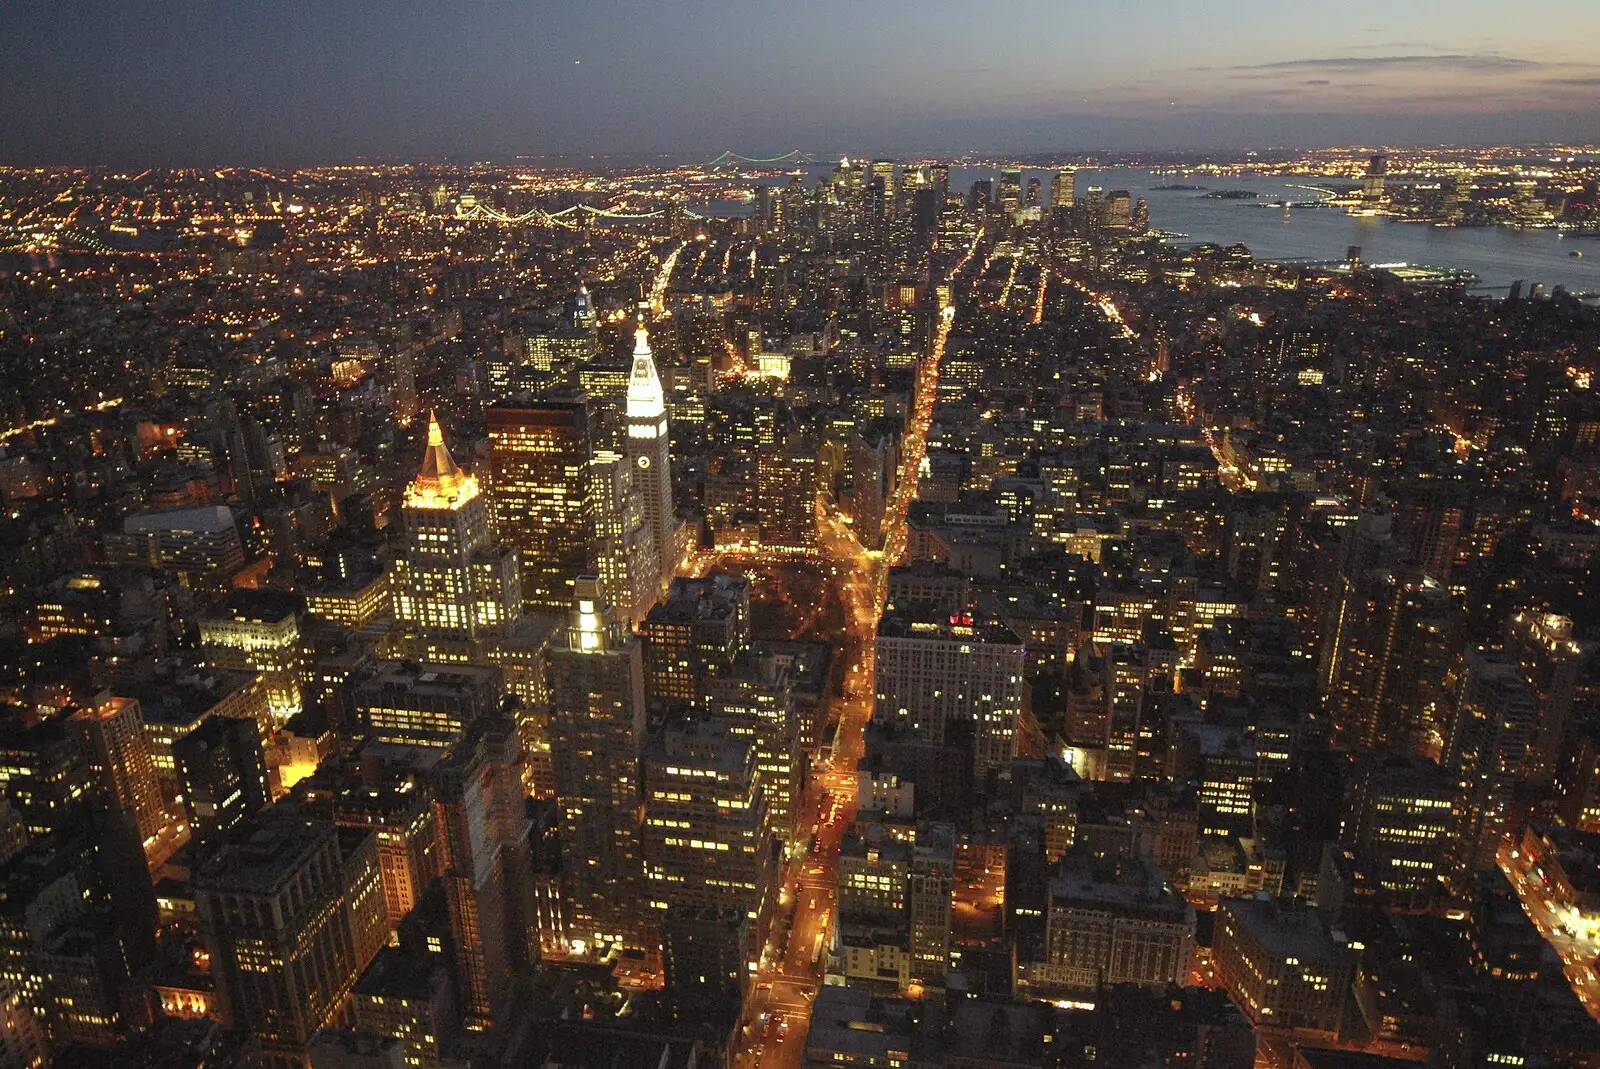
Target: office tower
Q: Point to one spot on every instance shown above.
(1064, 189)
(1010, 195)
(406, 995)
(259, 631)
(934, 668)
(484, 861)
(872, 472)
(1372, 184)
(1402, 818)
(291, 912)
(1119, 209)
(624, 548)
(1035, 194)
(223, 778)
(873, 871)
(1390, 651)
(43, 771)
(596, 742)
(402, 814)
(930, 893)
(1282, 965)
(539, 489)
(399, 376)
(1550, 661)
(1490, 749)
(200, 546)
(708, 836)
(786, 496)
(884, 171)
(648, 455)
(694, 633)
(424, 705)
(111, 733)
(980, 195)
(703, 956)
(1127, 748)
(453, 584)
(557, 350)
(583, 313)
(22, 1037)
(1116, 921)
(754, 696)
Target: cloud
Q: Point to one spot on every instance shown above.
(1479, 62)
(1587, 82)
(1318, 81)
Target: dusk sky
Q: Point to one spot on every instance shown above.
(296, 81)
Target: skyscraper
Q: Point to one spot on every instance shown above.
(259, 631)
(648, 453)
(597, 739)
(934, 668)
(1372, 184)
(483, 832)
(625, 552)
(453, 584)
(111, 732)
(1010, 195)
(786, 496)
(539, 482)
(707, 834)
(1064, 188)
(290, 913)
(223, 777)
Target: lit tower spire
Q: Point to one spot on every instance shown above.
(439, 484)
(647, 449)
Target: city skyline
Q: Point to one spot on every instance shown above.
(286, 83)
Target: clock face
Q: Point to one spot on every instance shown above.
(644, 462)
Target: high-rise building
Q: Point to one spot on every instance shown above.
(1117, 921)
(222, 776)
(1010, 195)
(201, 546)
(259, 631)
(1064, 188)
(597, 729)
(402, 814)
(694, 633)
(930, 891)
(424, 704)
(111, 733)
(453, 584)
(1282, 964)
(708, 837)
(1489, 747)
(1389, 656)
(1550, 661)
(1402, 818)
(539, 484)
(1372, 184)
(291, 911)
(786, 496)
(933, 669)
(647, 452)
(484, 861)
(755, 698)
(624, 548)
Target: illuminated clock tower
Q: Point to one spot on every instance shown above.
(647, 451)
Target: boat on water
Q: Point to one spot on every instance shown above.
(1576, 254)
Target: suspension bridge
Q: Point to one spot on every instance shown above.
(572, 217)
(730, 158)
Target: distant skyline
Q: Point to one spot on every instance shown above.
(287, 82)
